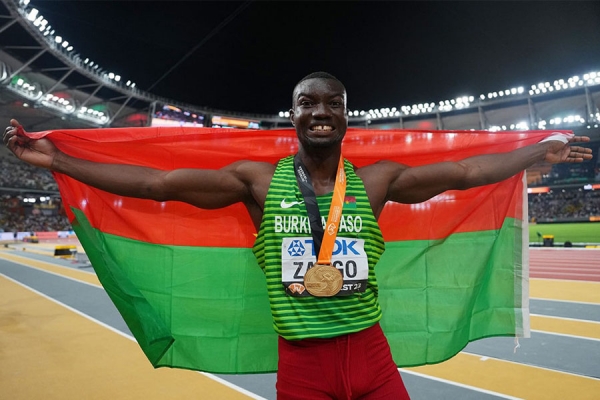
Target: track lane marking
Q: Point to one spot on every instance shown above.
(60, 270)
(75, 274)
(476, 389)
(61, 352)
(555, 289)
(572, 327)
(511, 378)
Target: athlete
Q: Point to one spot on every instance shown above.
(332, 346)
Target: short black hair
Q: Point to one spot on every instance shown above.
(319, 75)
(316, 75)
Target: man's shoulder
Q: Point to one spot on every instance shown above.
(253, 172)
(379, 168)
(250, 166)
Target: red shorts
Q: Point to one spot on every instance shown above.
(354, 366)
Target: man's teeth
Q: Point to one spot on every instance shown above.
(322, 128)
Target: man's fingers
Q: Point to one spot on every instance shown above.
(579, 154)
(582, 150)
(579, 139)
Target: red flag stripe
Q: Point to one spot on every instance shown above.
(181, 224)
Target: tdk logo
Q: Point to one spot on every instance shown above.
(342, 247)
(296, 248)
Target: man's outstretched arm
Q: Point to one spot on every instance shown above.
(389, 181)
(202, 188)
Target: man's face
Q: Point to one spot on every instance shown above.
(319, 112)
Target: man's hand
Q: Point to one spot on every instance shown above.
(559, 152)
(40, 153)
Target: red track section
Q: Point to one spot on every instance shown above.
(560, 263)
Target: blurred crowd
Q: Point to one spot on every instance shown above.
(17, 222)
(559, 204)
(19, 175)
(16, 216)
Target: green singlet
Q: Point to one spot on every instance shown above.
(284, 250)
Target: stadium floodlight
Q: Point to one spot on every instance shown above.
(523, 126)
(111, 75)
(32, 14)
(118, 78)
(24, 2)
(70, 48)
(58, 39)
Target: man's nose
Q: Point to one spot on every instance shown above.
(321, 110)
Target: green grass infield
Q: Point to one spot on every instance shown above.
(580, 232)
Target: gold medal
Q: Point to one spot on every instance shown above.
(323, 280)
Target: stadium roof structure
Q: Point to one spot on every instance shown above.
(46, 84)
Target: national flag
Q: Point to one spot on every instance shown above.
(188, 286)
(349, 203)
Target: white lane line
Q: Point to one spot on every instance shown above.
(565, 301)
(533, 366)
(125, 335)
(462, 385)
(540, 274)
(533, 278)
(566, 335)
(46, 262)
(565, 318)
(53, 273)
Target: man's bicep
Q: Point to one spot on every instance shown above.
(205, 188)
(417, 184)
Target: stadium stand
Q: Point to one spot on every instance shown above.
(82, 94)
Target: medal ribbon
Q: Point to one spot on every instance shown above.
(324, 240)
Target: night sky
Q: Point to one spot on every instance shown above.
(247, 56)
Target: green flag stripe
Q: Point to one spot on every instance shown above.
(207, 308)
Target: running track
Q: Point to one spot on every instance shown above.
(560, 263)
(61, 339)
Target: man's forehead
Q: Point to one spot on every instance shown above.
(313, 86)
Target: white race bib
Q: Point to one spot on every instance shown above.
(349, 257)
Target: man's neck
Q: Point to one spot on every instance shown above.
(322, 165)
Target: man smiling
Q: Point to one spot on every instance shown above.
(318, 238)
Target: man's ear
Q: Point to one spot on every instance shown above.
(292, 117)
